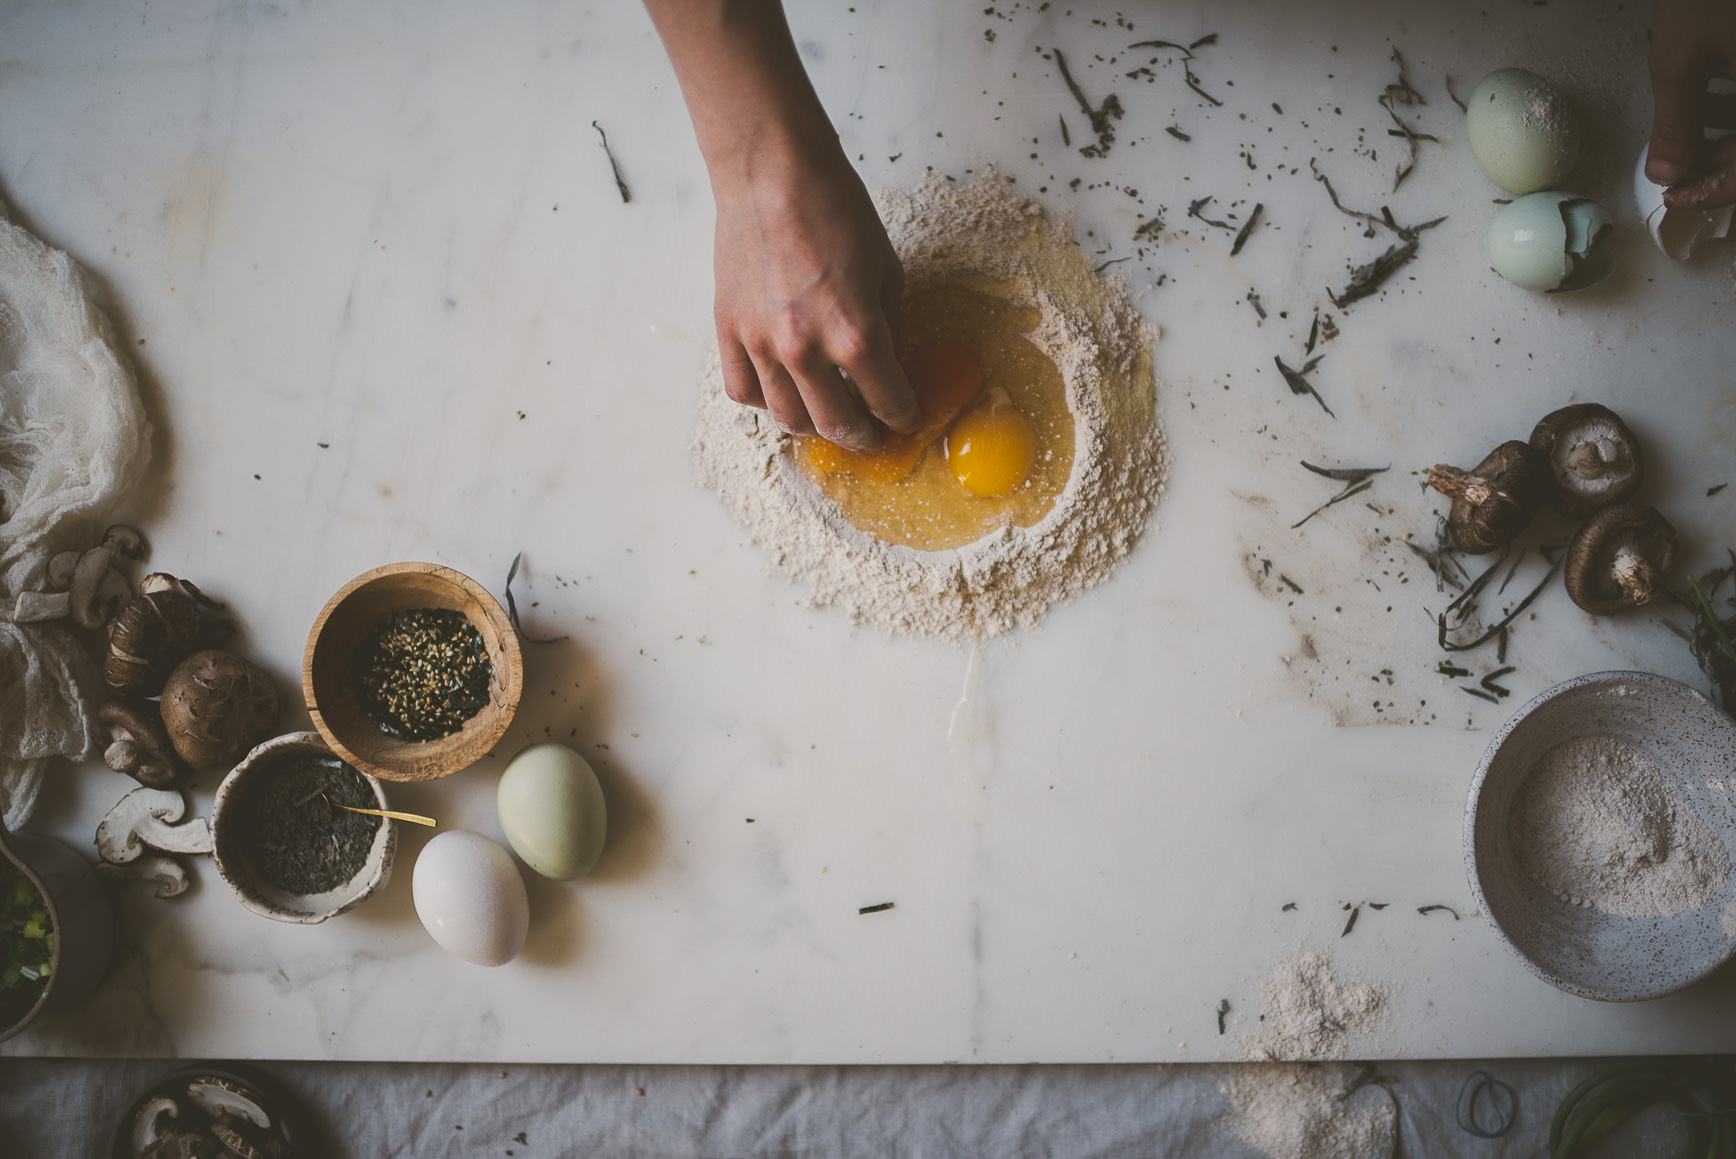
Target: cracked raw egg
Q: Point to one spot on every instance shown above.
(945, 377)
(991, 448)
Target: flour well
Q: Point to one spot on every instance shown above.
(1596, 825)
(989, 239)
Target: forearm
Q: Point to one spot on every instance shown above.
(746, 91)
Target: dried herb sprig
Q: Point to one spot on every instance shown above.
(1367, 279)
(1298, 382)
(620, 182)
(1102, 117)
(1709, 639)
(1247, 228)
(1197, 205)
(1429, 909)
(1465, 606)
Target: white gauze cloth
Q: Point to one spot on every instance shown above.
(73, 437)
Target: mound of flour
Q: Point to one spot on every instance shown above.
(990, 239)
(1597, 826)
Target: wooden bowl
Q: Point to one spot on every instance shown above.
(351, 616)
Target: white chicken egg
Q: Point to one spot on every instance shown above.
(471, 898)
(1522, 131)
(552, 811)
(1552, 241)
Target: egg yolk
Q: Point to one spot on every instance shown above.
(945, 377)
(991, 448)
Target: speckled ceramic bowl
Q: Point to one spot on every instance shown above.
(1586, 951)
(230, 852)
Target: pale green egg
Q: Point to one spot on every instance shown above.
(1522, 131)
(552, 811)
(1552, 241)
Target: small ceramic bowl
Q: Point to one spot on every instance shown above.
(351, 616)
(81, 917)
(1584, 950)
(236, 862)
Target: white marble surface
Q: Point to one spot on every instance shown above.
(388, 227)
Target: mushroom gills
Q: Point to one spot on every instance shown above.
(1617, 560)
(1594, 459)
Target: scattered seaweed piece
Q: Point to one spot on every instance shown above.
(1709, 640)
(1176, 132)
(874, 909)
(1429, 909)
(1441, 620)
(1149, 229)
(1102, 117)
(1488, 682)
(1291, 584)
(1710, 491)
(1223, 1011)
(1187, 59)
(1400, 92)
(1369, 278)
(1066, 137)
(1254, 301)
(1247, 228)
(1447, 668)
(1287, 907)
(1478, 693)
(1298, 382)
(620, 182)
(1349, 925)
(1313, 338)
(512, 609)
(1110, 262)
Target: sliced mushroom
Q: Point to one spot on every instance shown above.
(169, 874)
(1594, 459)
(145, 818)
(136, 743)
(157, 630)
(94, 590)
(235, 1142)
(1618, 558)
(1494, 502)
(216, 706)
(218, 1097)
(153, 1121)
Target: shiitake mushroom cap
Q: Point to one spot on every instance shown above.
(1593, 459)
(1617, 559)
(1494, 501)
(216, 706)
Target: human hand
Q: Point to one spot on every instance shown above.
(1691, 40)
(807, 283)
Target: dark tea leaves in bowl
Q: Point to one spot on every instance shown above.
(291, 833)
(422, 673)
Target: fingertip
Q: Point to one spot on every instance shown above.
(1663, 168)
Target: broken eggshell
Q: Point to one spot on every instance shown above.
(1551, 242)
(1676, 231)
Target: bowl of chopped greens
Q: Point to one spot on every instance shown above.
(56, 930)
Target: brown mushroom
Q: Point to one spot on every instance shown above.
(136, 743)
(168, 873)
(157, 630)
(1494, 502)
(216, 706)
(1594, 459)
(1618, 558)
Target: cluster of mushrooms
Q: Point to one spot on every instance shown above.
(1586, 462)
(181, 705)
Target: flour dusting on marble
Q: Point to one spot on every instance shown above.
(1309, 1013)
(990, 239)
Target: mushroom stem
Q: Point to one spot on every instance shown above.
(1450, 480)
(1633, 571)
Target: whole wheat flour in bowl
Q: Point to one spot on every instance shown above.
(984, 237)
